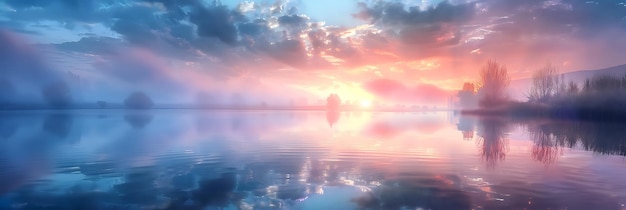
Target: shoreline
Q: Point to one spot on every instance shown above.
(526, 110)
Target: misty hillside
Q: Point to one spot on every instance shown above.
(520, 87)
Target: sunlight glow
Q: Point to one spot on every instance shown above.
(366, 103)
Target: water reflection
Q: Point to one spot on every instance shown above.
(492, 140)
(265, 160)
(138, 120)
(601, 138)
(8, 125)
(332, 117)
(546, 148)
(435, 192)
(548, 137)
(58, 124)
(467, 126)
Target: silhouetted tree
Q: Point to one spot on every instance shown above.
(332, 102)
(572, 88)
(546, 83)
(494, 80)
(605, 83)
(138, 100)
(467, 96)
(57, 94)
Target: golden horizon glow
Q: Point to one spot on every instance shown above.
(366, 103)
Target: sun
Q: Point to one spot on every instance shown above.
(366, 103)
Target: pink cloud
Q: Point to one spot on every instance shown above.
(396, 91)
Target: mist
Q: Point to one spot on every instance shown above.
(29, 79)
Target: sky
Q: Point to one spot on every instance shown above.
(295, 51)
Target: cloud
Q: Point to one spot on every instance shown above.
(396, 14)
(267, 38)
(292, 21)
(410, 32)
(217, 22)
(396, 91)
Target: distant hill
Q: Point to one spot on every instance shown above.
(520, 87)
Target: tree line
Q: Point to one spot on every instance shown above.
(601, 97)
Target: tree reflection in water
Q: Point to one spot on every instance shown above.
(549, 138)
(545, 148)
(602, 138)
(467, 126)
(492, 140)
(332, 116)
(138, 120)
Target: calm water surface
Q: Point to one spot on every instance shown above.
(305, 160)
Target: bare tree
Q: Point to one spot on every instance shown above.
(572, 88)
(494, 80)
(546, 83)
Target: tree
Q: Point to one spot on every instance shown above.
(467, 96)
(57, 94)
(494, 80)
(572, 88)
(138, 100)
(545, 84)
(332, 102)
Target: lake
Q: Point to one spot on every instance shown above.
(192, 159)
